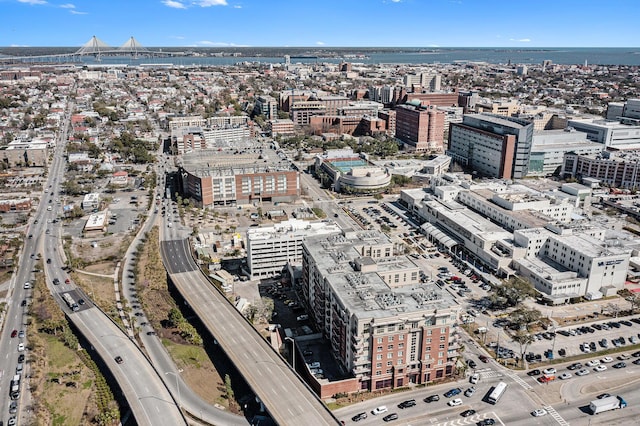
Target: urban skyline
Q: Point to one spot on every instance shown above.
(332, 23)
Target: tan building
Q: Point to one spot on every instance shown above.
(281, 127)
(189, 121)
(25, 154)
(504, 108)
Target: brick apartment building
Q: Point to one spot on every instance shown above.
(421, 128)
(382, 325)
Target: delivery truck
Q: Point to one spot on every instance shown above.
(605, 404)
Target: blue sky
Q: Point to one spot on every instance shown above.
(420, 23)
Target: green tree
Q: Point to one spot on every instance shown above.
(175, 317)
(514, 291)
(523, 339)
(228, 388)
(522, 317)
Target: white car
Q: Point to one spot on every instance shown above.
(455, 402)
(565, 376)
(549, 370)
(20, 347)
(606, 359)
(582, 372)
(600, 368)
(379, 410)
(539, 412)
(593, 363)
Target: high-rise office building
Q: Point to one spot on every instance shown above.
(492, 145)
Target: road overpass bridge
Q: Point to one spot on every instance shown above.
(286, 397)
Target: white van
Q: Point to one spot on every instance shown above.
(475, 378)
(49, 208)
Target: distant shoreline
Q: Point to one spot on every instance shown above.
(212, 56)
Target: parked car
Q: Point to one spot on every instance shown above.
(550, 370)
(546, 378)
(432, 398)
(619, 365)
(467, 413)
(600, 368)
(565, 376)
(582, 372)
(535, 372)
(486, 422)
(539, 412)
(575, 366)
(469, 392)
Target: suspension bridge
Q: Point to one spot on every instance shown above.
(95, 48)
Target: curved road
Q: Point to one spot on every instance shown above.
(286, 397)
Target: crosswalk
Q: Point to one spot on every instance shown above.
(553, 413)
(487, 373)
(471, 420)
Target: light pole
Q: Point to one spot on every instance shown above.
(177, 387)
(293, 352)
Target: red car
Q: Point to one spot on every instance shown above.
(546, 379)
(14, 333)
(483, 358)
(67, 281)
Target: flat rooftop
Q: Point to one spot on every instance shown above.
(366, 294)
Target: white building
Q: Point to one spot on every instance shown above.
(270, 249)
(548, 148)
(564, 263)
(91, 201)
(612, 134)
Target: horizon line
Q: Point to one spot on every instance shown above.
(349, 47)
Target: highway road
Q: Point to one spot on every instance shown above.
(287, 398)
(149, 399)
(187, 399)
(19, 298)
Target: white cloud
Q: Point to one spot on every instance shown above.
(237, 6)
(75, 12)
(217, 44)
(208, 3)
(320, 43)
(68, 6)
(33, 1)
(396, 1)
(174, 4)
(521, 40)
